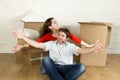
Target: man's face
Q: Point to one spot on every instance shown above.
(62, 38)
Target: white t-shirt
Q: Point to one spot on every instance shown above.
(61, 54)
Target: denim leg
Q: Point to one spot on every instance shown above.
(72, 72)
(42, 69)
(51, 69)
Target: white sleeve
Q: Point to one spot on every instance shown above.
(48, 45)
(74, 49)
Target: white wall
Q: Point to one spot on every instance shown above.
(67, 12)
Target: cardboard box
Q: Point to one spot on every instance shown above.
(90, 32)
(34, 25)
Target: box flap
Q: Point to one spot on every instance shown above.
(116, 27)
(97, 23)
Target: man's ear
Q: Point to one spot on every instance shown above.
(67, 39)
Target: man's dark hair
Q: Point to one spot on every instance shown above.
(66, 31)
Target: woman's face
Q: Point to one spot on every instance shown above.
(54, 25)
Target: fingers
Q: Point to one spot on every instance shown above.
(98, 45)
(14, 51)
(98, 40)
(19, 34)
(15, 34)
(16, 48)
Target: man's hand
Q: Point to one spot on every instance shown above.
(19, 34)
(98, 45)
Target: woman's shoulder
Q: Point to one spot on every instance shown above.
(48, 34)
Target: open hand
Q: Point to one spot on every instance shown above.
(17, 48)
(98, 45)
(19, 34)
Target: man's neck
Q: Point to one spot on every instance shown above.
(61, 43)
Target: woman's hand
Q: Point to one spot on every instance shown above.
(19, 34)
(17, 48)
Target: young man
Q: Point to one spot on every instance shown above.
(59, 65)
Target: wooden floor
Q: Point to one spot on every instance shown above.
(10, 70)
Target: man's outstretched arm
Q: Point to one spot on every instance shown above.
(98, 45)
(34, 43)
(21, 35)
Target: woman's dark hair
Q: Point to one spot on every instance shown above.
(46, 25)
(66, 31)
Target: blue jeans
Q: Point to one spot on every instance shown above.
(62, 72)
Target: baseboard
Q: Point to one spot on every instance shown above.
(114, 51)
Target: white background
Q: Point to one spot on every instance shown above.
(67, 12)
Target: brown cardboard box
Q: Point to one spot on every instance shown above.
(90, 32)
(34, 25)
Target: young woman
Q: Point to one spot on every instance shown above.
(50, 33)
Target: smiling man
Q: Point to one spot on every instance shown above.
(59, 65)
